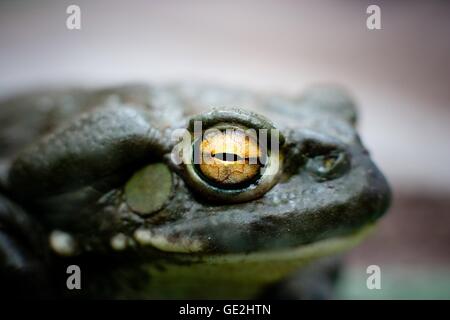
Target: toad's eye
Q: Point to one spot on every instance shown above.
(235, 158)
(229, 158)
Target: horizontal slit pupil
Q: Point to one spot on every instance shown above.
(228, 157)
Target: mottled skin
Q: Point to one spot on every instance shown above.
(66, 157)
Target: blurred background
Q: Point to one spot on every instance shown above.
(399, 76)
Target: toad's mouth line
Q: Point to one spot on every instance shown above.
(190, 251)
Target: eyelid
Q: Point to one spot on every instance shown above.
(233, 116)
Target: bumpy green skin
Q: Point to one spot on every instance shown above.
(67, 157)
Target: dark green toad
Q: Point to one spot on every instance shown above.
(107, 180)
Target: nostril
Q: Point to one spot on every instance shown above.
(328, 166)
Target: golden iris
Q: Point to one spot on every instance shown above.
(230, 157)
